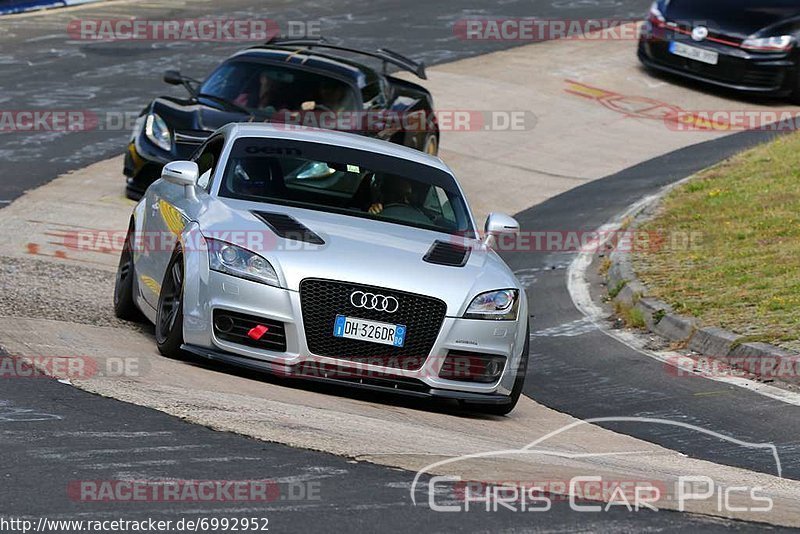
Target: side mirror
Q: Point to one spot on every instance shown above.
(173, 77)
(183, 173)
(499, 224)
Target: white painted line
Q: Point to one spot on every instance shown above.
(578, 289)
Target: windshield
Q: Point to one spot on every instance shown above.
(269, 88)
(346, 181)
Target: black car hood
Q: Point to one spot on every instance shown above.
(211, 119)
(738, 18)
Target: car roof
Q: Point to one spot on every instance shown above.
(359, 74)
(333, 137)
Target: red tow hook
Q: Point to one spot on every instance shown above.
(257, 332)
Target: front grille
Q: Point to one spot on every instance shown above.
(323, 300)
(234, 327)
(684, 32)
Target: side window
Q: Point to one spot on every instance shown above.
(207, 160)
(372, 94)
(438, 202)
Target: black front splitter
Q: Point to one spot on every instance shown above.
(405, 387)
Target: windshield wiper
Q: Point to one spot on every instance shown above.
(227, 103)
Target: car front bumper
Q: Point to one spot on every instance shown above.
(771, 74)
(212, 291)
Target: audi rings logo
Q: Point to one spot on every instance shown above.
(370, 301)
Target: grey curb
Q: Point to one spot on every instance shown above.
(766, 361)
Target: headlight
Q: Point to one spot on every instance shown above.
(236, 261)
(157, 131)
(497, 305)
(656, 14)
(769, 44)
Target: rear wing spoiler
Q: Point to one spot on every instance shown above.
(386, 56)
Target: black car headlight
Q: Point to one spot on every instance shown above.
(158, 132)
(501, 305)
(236, 261)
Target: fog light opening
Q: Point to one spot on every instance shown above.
(224, 323)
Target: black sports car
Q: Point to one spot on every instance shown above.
(746, 45)
(274, 83)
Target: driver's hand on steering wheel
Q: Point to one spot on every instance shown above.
(375, 209)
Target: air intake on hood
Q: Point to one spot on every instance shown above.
(288, 227)
(444, 253)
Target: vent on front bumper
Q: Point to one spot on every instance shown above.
(234, 328)
(444, 253)
(288, 227)
(323, 300)
(472, 367)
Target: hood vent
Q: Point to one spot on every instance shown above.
(444, 253)
(288, 227)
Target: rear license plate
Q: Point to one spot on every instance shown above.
(374, 331)
(692, 52)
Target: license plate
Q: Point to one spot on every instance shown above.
(374, 331)
(692, 52)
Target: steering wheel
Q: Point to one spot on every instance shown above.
(405, 212)
(322, 107)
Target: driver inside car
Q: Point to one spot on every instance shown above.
(392, 192)
(265, 98)
(331, 96)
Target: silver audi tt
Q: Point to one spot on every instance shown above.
(329, 256)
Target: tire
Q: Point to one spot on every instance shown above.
(169, 314)
(430, 144)
(516, 390)
(124, 288)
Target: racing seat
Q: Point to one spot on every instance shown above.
(258, 177)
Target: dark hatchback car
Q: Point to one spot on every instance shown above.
(274, 83)
(745, 45)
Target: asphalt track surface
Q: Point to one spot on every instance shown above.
(42, 69)
(586, 375)
(53, 435)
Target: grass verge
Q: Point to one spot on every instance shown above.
(729, 245)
